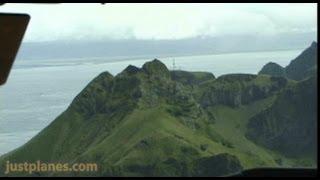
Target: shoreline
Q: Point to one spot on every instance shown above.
(105, 60)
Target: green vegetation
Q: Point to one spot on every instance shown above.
(294, 132)
(302, 67)
(152, 122)
(273, 69)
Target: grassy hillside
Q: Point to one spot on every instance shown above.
(152, 122)
(290, 124)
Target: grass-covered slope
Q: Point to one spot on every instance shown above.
(289, 126)
(152, 122)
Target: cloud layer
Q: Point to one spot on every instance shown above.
(162, 21)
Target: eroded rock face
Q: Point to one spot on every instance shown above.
(156, 68)
(131, 70)
(289, 125)
(304, 65)
(300, 68)
(93, 97)
(237, 90)
(107, 94)
(152, 122)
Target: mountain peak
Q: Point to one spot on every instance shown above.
(143, 123)
(272, 69)
(156, 67)
(302, 67)
(314, 44)
(131, 70)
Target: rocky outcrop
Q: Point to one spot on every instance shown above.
(289, 125)
(156, 68)
(101, 96)
(152, 122)
(131, 70)
(240, 89)
(302, 67)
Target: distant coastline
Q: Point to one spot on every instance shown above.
(112, 59)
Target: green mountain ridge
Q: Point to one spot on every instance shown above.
(151, 121)
(302, 67)
(270, 127)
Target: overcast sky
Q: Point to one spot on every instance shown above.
(162, 21)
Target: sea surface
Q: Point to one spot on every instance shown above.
(37, 91)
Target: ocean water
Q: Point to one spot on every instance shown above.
(38, 91)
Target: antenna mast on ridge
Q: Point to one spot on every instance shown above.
(173, 64)
(174, 78)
